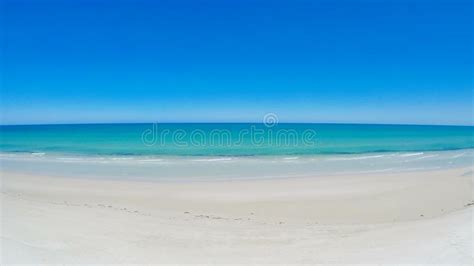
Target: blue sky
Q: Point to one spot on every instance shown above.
(172, 61)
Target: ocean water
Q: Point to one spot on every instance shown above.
(230, 139)
(175, 152)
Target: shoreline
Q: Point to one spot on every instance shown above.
(296, 220)
(5, 154)
(202, 169)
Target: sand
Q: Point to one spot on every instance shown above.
(422, 217)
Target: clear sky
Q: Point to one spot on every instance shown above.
(306, 61)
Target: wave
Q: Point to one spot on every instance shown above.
(212, 157)
(356, 158)
(411, 154)
(425, 157)
(212, 160)
(151, 160)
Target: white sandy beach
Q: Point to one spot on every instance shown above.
(389, 218)
(309, 132)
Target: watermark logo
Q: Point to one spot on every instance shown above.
(270, 120)
(268, 133)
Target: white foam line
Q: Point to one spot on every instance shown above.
(212, 160)
(70, 159)
(356, 158)
(457, 156)
(151, 160)
(121, 158)
(411, 154)
(424, 157)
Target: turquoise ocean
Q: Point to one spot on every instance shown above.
(231, 139)
(174, 151)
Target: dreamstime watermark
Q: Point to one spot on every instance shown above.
(265, 134)
(270, 120)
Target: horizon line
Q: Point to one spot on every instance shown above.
(220, 122)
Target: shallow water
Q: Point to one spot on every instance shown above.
(200, 168)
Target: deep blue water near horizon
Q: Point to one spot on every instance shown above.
(230, 139)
